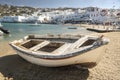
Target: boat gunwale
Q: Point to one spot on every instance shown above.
(67, 54)
(53, 57)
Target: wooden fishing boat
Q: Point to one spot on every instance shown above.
(60, 50)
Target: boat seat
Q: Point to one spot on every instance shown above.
(35, 48)
(62, 49)
(78, 43)
(25, 42)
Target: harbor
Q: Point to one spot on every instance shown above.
(59, 40)
(19, 30)
(107, 54)
(110, 57)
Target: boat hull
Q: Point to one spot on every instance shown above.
(87, 59)
(99, 30)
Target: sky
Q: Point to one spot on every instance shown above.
(64, 3)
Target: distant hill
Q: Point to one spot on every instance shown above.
(9, 10)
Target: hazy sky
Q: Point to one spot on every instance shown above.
(63, 3)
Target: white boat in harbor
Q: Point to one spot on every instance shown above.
(60, 50)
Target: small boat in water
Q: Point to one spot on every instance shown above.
(4, 30)
(60, 50)
(100, 30)
(72, 27)
(1, 33)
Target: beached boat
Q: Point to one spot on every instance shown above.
(100, 30)
(60, 50)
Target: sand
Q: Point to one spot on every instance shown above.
(12, 67)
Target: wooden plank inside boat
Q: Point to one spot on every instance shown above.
(51, 47)
(30, 43)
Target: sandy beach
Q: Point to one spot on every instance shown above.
(13, 67)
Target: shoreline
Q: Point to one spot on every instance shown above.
(90, 25)
(12, 67)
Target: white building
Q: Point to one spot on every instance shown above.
(31, 19)
(93, 14)
(97, 15)
(13, 18)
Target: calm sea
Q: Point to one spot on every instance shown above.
(19, 30)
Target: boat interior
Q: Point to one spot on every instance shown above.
(54, 45)
(31, 43)
(58, 38)
(87, 43)
(51, 47)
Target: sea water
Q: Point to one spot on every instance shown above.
(19, 30)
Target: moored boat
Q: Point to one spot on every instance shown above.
(60, 50)
(4, 30)
(72, 27)
(1, 33)
(100, 30)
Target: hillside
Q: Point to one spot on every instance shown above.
(9, 10)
